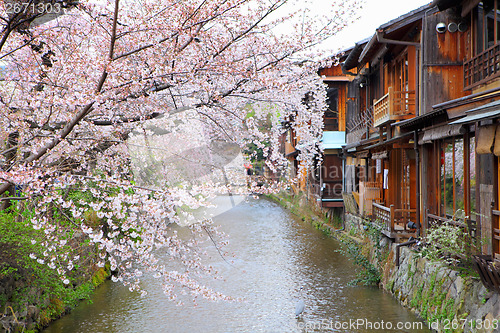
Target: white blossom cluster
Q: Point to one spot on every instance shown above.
(79, 97)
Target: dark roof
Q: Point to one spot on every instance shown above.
(392, 30)
(369, 49)
(406, 19)
(423, 120)
(390, 141)
(486, 111)
(352, 59)
(361, 143)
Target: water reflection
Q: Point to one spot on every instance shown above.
(274, 255)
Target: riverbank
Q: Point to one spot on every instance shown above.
(448, 299)
(268, 257)
(32, 293)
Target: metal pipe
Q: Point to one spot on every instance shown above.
(346, 72)
(417, 172)
(423, 61)
(400, 245)
(382, 39)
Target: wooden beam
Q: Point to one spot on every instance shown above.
(468, 5)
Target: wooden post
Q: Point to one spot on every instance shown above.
(486, 198)
(426, 220)
(390, 102)
(391, 219)
(467, 198)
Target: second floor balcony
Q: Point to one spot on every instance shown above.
(482, 68)
(393, 106)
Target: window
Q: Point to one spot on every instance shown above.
(488, 24)
(452, 176)
(332, 113)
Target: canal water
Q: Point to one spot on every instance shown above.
(272, 254)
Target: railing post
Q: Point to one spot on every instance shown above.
(426, 220)
(391, 219)
(390, 102)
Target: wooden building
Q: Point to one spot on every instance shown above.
(329, 172)
(382, 161)
(423, 125)
(323, 184)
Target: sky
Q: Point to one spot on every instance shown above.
(374, 14)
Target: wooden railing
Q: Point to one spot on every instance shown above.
(384, 214)
(395, 220)
(483, 67)
(488, 271)
(468, 226)
(395, 105)
(495, 215)
(487, 266)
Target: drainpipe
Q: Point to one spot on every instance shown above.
(343, 174)
(343, 221)
(423, 58)
(417, 167)
(400, 245)
(345, 72)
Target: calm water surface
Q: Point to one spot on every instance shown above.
(273, 254)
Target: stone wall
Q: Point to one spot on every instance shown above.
(447, 299)
(440, 294)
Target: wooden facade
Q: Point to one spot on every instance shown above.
(324, 183)
(423, 124)
(329, 176)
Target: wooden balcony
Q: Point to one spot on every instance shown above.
(394, 221)
(482, 68)
(393, 106)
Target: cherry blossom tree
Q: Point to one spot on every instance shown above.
(74, 88)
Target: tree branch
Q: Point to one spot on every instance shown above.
(68, 128)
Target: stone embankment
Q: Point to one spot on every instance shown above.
(448, 299)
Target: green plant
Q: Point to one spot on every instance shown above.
(369, 275)
(450, 242)
(26, 257)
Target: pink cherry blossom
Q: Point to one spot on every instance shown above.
(83, 97)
